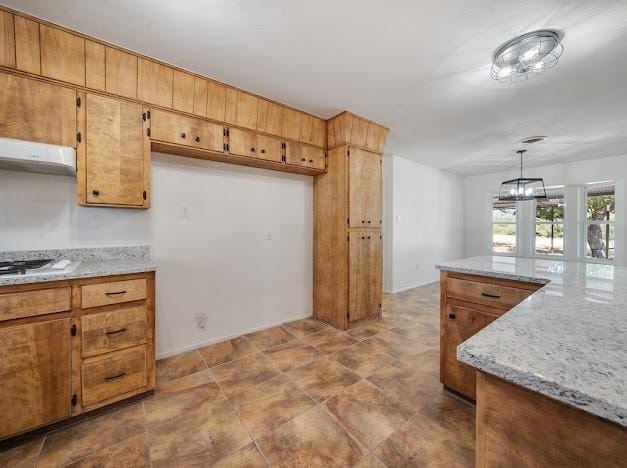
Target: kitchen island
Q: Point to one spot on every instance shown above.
(552, 370)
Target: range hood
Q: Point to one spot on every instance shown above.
(19, 155)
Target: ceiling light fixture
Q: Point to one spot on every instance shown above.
(526, 56)
(522, 188)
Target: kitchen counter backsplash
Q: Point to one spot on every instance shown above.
(88, 254)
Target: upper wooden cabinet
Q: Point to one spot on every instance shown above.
(27, 52)
(121, 73)
(62, 55)
(250, 144)
(35, 375)
(241, 108)
(168, 127)
(350, 129)
(7, 40)
(216, 101)
(183, 91)
(364, 274)
(155, 83)
(269, 148)
(36, 111)
(117, 152)
(364, 188)
(291, 124)
(95, 65)
(269, 117)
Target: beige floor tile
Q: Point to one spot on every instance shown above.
(179, 397)
(238, 375)
(323, 378)
(329, 341)
(313, 439)
(370, 461)
(413, 387)
(207, 434)
(79, 440)
(246, 457)
(304, 327)
(265, 339)
(132, 453)
(365, 332)
(23, 455)
(270, 404)
(226, 351)
(368, 413)
(292, 354)
(452, 414)
(424, 445)
(362, 359)
(396, 345)
(179, 366)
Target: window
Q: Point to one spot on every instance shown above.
(503, 226)
(549, 219)
(600, 218)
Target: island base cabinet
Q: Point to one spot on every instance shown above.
(35, 375)
(521, 428)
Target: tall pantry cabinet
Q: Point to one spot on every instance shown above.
(347, 223)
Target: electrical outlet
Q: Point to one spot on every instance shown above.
(201, 320)
(268, 235)
(184, 212)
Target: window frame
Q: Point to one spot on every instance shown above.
(534, 251)
(585, 222)
(516, 224)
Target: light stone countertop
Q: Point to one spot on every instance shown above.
(567, 341)
(105, 261)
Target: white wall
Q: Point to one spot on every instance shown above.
(216, 261)
(478, 190)
(423, 222)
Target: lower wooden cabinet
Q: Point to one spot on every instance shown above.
(469, 303)
(364, 274)
(35, 377)
(78, 356)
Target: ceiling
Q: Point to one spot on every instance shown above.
(420, 67)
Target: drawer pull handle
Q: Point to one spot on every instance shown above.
(182, 135)
(115, 332)
(263, 151)
(115, 293)
(491, 296)
(115, 377)
(303, 159)
(452, 316)
(197, 138)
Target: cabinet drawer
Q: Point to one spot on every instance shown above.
(95, 295)
(31, 303)
(503, 297)
(173, 128)
(114, 376)
(111, 331)
(304, 155)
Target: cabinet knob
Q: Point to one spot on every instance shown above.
(303, 159)
(452, 316)
(368, 221)
(368, 237)
(95, 193)
(197, 138)
(263, 150)
(311, 160)
(252, 149)
(362, 237)
(363, 221)
(182, 135)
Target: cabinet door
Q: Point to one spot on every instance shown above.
(216, 101)
(242, 143)
(114, 151)
(35, 375)
(364, 274)
(298, 154)
(461, 324)
(62, 55)
(207, 135)
(121, 73)
(170, 128)
(290, 127)
(269, 148)
(269, 117)
(364, 186)
(183, 92)
(36, 111)
(247, 106)
(7, 40)
(27, 50)
(155, 83)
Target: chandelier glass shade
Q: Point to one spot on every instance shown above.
(522, 188)
(526, 56)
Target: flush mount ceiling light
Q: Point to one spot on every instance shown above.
(526, 56)
(522, 188)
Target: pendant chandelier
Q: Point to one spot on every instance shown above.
(526, 56)
(522, 188)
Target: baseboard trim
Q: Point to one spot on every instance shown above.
(417, 285)
(184, 349)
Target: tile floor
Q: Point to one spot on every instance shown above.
(302, 394)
